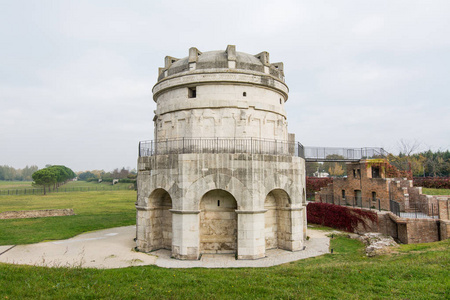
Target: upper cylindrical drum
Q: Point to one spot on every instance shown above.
(221, 94)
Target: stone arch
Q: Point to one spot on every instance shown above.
(285, 183)
(217, 181)
(218, 222)
(277, 219)
(160, 204)
(156, 182)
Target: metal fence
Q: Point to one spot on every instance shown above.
(415, 211)
(220, 145)
(13, 192)
(358, 202)
(342, 154)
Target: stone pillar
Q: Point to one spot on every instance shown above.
(185, 234)
(297, 228)
(143, 229)
(305, 223)
(251, 243)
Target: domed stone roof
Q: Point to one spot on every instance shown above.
(224, 60)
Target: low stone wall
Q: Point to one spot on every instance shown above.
(24, 214)
(406, 230)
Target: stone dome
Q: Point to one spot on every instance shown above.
(228, 60)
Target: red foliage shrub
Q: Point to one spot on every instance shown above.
(433, 182)
(393, 172)
(337, 216)
(313, 184)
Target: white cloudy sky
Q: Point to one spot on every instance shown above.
(76, 76)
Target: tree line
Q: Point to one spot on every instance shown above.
(10, 173)
(107, 176)
(53, 176)
(423, 164)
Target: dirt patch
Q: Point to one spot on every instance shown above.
(25, 214)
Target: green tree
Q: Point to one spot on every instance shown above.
(334, 168)
(44, 177)
(86, 175)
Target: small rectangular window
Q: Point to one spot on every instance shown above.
(192, 92)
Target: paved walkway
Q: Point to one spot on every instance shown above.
(113, 248)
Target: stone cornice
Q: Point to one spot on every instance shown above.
(260, 211)
(220, 77)
(184, 212)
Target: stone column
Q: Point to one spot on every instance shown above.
(143, 229)
(250, 240)
(185, 234)
(297, 229)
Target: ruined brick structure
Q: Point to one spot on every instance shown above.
(367, 186)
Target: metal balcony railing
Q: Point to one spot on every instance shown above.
(220, 145)
(321, 154)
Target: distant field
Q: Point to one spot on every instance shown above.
(428, 191)
(25, 187)
(4, 185)
(94, 210)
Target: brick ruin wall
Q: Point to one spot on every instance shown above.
(25, 214)
(411, 231)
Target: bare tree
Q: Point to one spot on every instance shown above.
(408, 147)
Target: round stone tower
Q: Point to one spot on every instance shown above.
(222, 174)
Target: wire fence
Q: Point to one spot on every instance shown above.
(39, 191)
(220, 145)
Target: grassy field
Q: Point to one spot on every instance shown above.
(94, 210)
(411, 272)
(428, 191)
(4, 185)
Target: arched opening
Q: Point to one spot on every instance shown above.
(277, 219)
(160, 203)
(218, 222)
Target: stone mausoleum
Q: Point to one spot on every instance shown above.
(222, 175)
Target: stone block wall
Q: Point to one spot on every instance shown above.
(247, 179)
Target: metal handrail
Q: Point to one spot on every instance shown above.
(334, 154)
(220, 145)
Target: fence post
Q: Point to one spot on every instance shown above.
(379, 205)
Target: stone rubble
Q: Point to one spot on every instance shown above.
(376, 243)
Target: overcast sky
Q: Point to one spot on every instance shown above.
(76, 76)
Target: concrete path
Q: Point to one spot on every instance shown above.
(113, 248)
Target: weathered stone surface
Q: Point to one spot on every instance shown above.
(228, 202)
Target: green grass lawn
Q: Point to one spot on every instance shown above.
(428, 191)
(94, 210)
(412, 272)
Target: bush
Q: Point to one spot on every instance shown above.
(127, 180)
(433, 182)
(313, 184)
(338, 217)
